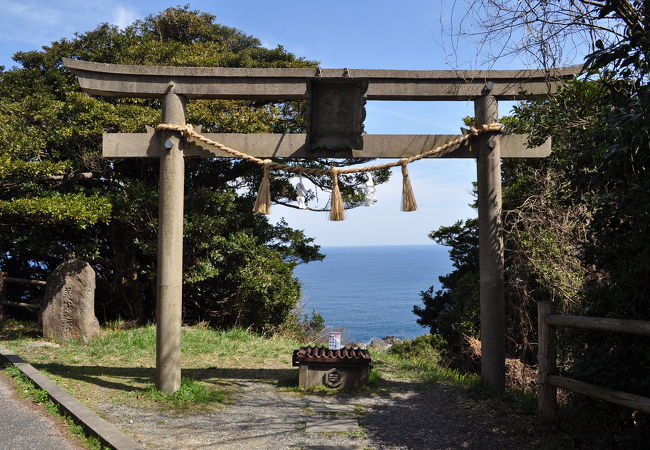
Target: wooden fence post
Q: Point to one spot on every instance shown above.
(3, 295)
(546, 362)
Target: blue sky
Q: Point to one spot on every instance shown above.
(374, 34)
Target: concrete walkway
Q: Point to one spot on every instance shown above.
(24, 425)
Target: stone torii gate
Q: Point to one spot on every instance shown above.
(174, 85)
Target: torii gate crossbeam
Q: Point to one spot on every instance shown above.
(176, 84)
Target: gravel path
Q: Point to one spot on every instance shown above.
(262, 416)
(24, 425)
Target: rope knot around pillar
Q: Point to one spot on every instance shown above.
(187, 131)
(487, 127)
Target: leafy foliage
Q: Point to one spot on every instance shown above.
(453, 311)
(58, 195)
(82, 210)
(576, 223)
(426, 347)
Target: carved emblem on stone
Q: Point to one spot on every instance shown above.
(332, 378)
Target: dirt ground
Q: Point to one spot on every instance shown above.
(264, 416)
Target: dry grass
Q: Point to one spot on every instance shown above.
(519, 376)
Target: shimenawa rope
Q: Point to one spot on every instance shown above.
(263, 202)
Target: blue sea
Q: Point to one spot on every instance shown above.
(370, 291)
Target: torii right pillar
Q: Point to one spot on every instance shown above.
(490, 246)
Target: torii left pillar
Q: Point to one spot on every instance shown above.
(170, 250)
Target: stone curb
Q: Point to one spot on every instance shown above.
(97, 426)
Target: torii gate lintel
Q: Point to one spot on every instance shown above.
(175, 84)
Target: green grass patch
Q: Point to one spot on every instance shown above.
(419, 360)
(118, 366)
(41, 397)
(418, 369)
(190, 395)
(373, 378)
(426, 347)
(137, 346)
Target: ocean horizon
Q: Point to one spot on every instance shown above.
(369, 291)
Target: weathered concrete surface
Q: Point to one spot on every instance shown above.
(69, 303)
(24, 425)
(150, 145)
(490, 242)
(291, 83)
(331, 408)
(333, 375)
(170, 252)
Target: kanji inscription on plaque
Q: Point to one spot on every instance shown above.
(336, 113)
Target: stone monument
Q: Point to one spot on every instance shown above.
(69, 303)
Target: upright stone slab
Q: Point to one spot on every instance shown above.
(69, 303)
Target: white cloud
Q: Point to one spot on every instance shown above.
(123, 17)
(28, 23)
(39, 15)
(271, 41)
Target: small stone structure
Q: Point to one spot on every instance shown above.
(69, 303)
(347, 367)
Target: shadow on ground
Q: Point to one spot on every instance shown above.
(144, 377)
(18, 331)
(421, 415)
(398, 414)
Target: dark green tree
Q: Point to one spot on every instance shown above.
(453, 310)
(576, 223)
(58, 195)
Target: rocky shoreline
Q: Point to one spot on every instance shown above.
(377, 343)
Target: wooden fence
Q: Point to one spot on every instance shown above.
(549, 380)
(4, 279)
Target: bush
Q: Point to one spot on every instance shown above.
(302, 328)
(429, 347)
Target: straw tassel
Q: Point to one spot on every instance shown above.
(337, 209)
(408, 198)
(263, 202)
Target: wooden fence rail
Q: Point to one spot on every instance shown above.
(4, 279)
(24, 281)
(548, 379)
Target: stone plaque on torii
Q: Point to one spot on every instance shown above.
(174, 85)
